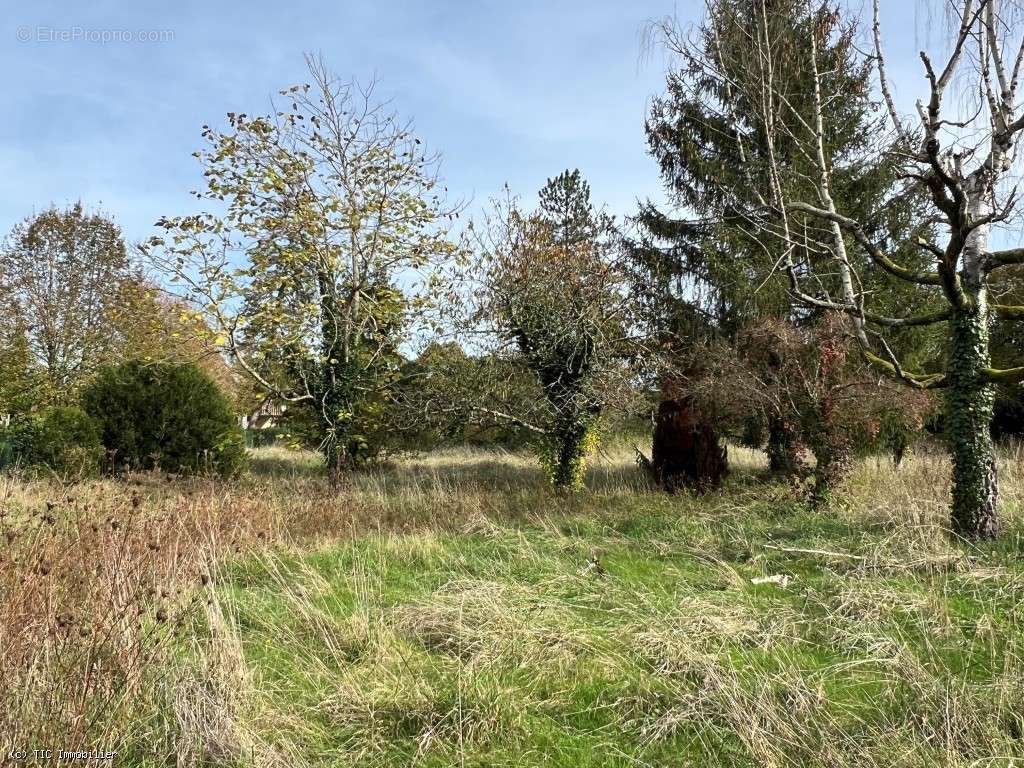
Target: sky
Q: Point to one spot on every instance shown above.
(104, 101)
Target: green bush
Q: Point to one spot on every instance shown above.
(16, 441)
(64, 439)
(68, 442)
(166, 415)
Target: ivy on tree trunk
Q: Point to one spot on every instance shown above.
(969, 402)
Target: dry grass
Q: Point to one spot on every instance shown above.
(452, 610)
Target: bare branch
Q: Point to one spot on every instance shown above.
(876, 254)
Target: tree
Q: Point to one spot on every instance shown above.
(553, 294)
(720, 250)
(60, 273)
(566, 208)
(328, 205)
(959, 155)
(153, 327)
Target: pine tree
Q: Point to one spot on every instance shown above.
(565, 206)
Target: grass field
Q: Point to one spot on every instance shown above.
(452, 610)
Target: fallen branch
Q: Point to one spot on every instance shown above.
(822, 552)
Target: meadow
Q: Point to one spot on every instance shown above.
(453, 609)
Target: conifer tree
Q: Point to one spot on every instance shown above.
(719, 245)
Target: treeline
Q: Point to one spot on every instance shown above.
(99, 368)
(821, 282)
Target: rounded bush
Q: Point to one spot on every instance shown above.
(166, 415)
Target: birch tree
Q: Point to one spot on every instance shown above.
(959, 153)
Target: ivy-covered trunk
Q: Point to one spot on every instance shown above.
(970, 395)
(832, 464)
(334, 401)
(969, 403)
(573, 436)
(334, 415)
(574, 442)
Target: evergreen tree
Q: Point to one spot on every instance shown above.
(719, 245)
(565, 206)
(717, 254)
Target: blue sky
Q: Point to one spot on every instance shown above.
(508, 92)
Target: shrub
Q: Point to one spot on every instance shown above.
(167, 415)
(810, 385)
(68, 441)
(65, 439)
(16, 441)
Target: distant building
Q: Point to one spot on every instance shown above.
(265, 416)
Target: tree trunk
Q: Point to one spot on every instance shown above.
(783, 449)
(970, 397)
(570, 463)
(574, 440)
(969, 403)
(685, 450)
(832, 465)
(335, 459)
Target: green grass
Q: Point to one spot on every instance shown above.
(618, 628)
(450, 609)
